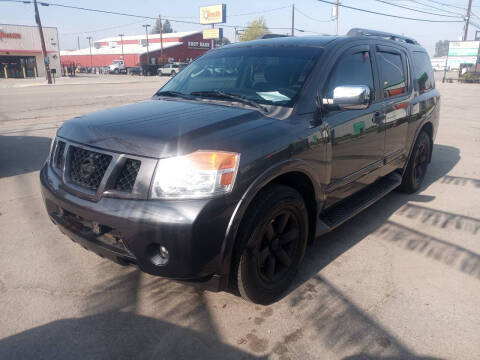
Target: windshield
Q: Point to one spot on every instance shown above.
(266, 75)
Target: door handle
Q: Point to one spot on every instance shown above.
(378, 117)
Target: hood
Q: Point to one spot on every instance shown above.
(162, 128)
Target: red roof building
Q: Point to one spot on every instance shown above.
(179, 46)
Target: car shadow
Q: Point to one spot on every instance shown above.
(178, 324)
(330, 246)
(22, 154)
(115, 335)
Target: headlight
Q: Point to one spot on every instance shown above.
(196, 175)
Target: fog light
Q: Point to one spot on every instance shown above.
(159, 255)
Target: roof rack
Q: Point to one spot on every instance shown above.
(394, 37)
(272, 36)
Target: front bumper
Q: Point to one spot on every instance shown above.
(131, 231)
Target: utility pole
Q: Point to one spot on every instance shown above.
(467, 19)
(121, 41)
(148, 52)
(293, 19)
(337, 17)
(42, 39)
(91, 58)
(78, 42)
(161, 37)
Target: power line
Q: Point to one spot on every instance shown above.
(104, 29)
(311, 18)
(390, 15)
(140, 16)
(417, 10)
(260, 12)
(428, 6)
(446, 4)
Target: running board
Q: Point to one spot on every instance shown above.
(346, 209)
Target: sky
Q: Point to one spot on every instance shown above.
(311, 16)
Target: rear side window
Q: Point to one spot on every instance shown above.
(353, 69)
(423, 72)
(392, 73)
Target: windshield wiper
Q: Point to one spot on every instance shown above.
(223, 95)
(173, 94)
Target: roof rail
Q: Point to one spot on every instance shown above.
(395, 37)
(272, 36)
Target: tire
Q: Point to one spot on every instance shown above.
(173, 74)
(417, 164)
(116, 71)
(270, 245)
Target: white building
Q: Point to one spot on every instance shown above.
(21, 51)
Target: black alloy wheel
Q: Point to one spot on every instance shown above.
(421, 161)
(417, 164)
(270, 245)
(275, 250)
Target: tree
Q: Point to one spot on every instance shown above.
(166, 27)
(223, 41)
(441, 48)
(255, 29)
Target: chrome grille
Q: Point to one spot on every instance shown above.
(59, 155)
(87, 168)
(126, 178)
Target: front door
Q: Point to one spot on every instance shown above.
(396, 91)
(356, 136)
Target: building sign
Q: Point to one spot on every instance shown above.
(214, 14)
(462, 52)
(200, 45)
(4, 35)
(213, 33)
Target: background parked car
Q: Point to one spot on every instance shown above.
(171, 69)
(136, 70)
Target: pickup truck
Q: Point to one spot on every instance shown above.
(223, 181)
(171, 69)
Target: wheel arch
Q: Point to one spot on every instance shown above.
(293, 173)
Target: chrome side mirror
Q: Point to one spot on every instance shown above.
(350, 97)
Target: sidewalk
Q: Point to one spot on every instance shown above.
(79, 79)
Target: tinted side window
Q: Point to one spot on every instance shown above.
(353, 69)
(392, 73)
(423, 71)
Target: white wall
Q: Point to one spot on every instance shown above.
(29, 45)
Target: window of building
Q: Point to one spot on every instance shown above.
(423, 71)
(392, 73)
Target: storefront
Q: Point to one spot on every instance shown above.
(21, 51)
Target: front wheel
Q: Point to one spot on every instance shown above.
(271, 245)
(417, 164)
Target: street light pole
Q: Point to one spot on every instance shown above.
(161, 37)
(91, 58)
(146, 33)
(42, 39)
(293, 19)
(336, 18)
(121, 41)
(467, 19)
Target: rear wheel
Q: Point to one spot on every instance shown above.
(417, 164)
(271, 244)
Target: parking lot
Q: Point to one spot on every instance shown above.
(399, 281)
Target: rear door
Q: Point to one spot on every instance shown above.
(396, 90)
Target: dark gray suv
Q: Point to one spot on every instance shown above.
(252, 151)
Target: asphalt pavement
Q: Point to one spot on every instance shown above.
(399, 281)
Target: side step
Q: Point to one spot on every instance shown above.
(346, 209)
